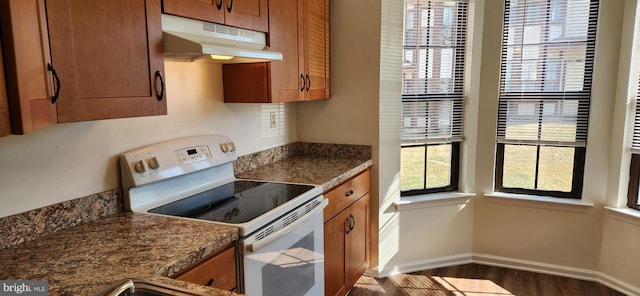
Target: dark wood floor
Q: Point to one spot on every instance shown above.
(478, 280)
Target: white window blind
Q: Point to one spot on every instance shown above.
(636, 127)
(433, 70)
(547, 64)
(635, 146)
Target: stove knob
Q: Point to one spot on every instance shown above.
(224, 147)
(153, 163)
(139, 167)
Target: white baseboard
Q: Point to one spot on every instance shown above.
(512, 263)
(420, 265)
(533, 266)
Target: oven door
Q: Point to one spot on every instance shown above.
(289, 261)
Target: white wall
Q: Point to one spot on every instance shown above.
(68, 161)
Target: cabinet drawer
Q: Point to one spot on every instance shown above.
(221, 269)
(346, 194)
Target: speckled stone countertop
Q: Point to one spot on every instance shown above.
(325, 172)
(88, 258)
(325, 165)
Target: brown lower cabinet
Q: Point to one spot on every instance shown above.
(218, 271)
(346, 234)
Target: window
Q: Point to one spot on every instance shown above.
(432, 94)
(633, 199)
(545, 88)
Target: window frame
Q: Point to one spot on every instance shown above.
(634, 182)
(577, 176)
(457, 21)
(582, 97)
(454, 174)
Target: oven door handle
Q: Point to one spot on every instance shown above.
(285, 230)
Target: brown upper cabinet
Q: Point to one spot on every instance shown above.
(72, 61)
(5, 125)
(246, 14)
(300, 30)
(26, 58)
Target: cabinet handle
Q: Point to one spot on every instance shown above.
(160, 94)
(219, 5)
(308, 85)
(230, 7)
(210, 282)
(56, 94)
(304, 82)
(347, 225)
(352, 222)
(348, 193)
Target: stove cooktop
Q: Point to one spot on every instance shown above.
(235, 202)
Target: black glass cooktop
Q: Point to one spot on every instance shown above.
(235, 202)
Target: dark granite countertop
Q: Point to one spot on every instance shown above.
(87, 258)
(325, 172)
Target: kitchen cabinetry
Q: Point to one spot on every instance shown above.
(82, 60)
(5, 126)
(347, 236)
(113, 68)
(218, 271)
(300, 30)
(247, 14)
(25, 44)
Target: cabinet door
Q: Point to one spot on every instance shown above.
(219, 271)
(5, 126)
(335, 278)
(248, 14)
(286, 79)
(108, 55)
(358, 240)
(205, 10)
(316, 49)
(26, 52)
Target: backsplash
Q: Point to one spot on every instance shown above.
(33, 224)
(261, 158)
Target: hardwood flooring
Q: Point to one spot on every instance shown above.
(478, 280)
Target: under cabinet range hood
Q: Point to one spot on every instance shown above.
(187, 39)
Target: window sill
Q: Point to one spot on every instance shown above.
(541, 202)
(627, 215)
(432, 200)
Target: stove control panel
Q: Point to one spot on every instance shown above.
(174, 158)
(193, 154)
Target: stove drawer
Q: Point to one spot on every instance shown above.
(347, 193)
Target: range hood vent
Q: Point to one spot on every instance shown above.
(187, 39)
